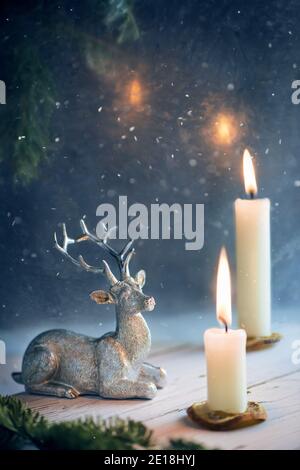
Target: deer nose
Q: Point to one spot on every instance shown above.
(149, 303)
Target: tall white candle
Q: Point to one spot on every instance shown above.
(225, 352)
(253, 258)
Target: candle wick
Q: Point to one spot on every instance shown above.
(226, 327)
(251, 195)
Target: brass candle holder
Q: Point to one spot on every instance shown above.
(262, 342)
(200, 414)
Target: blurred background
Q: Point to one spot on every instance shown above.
(156, 101)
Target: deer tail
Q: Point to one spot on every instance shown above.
(17, 376)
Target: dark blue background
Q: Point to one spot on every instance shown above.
(193, 60)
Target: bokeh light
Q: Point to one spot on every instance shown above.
(135, 92)
(225, 129)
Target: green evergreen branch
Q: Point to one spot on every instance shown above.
(20, 426)
(25, 124)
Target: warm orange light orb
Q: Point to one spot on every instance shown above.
(225, 131)
(135, 93)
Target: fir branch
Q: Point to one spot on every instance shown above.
(35, 110)
(181, 444)
(19, 426)
(25, 124)
(113, 434)
(120, 17)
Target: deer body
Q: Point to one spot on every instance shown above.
(68, 364)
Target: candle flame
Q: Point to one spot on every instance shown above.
(223, 290)
(249, 174)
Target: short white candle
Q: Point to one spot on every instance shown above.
(225, 352)
(253, 258)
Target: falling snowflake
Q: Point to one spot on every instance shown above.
(193, 162)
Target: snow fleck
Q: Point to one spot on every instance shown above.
(16, 221)
(267, 151)
(100, 109)
(21, 137)
(131, 180)
(131, 129)
(193, 162)
(57, 104)
(297, 183)
(230, 87)
(111, 193)
(57, 139)
(186, 192)
(135, 138)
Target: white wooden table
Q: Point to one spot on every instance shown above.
(273, 380)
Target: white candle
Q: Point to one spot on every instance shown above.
(252, 218)
(225, 352)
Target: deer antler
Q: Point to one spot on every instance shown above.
(123, 257)
(126, 272)
(64, 250)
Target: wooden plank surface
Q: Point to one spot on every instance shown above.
(273, 379)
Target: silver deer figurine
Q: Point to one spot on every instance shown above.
(68, 364)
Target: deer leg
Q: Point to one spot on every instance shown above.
(125, 388)
(117, 378)
(154, 374)
(54, 389)
(39, 366)
(39, 370)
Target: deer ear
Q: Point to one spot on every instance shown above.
(140, 278)
(102, 297)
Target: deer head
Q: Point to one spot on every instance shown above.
(126, 292)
